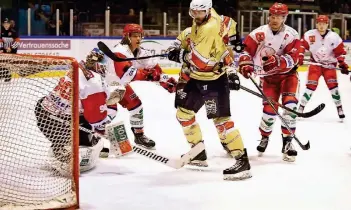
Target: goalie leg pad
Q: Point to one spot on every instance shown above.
(119, 140)
(230, 137)
(190, 127)
(88, 156)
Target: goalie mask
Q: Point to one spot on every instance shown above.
(96, 62)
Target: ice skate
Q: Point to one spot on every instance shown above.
(261, 148)
(288, 150)
(341, 113)
(142, 140)
(240, 170)
(199, 160)
(300, 109)
(104, 153)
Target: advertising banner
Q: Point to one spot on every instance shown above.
(78, 48)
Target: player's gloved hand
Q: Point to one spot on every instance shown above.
(154, 74)
(344, 68)
(301, 60)
(234, 81)
(246, 67)
(271, 63)
(235, 41)
(168, 83)
(177, 55)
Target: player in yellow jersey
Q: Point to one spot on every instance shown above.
(211, 78)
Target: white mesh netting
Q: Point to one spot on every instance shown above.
(36, 162)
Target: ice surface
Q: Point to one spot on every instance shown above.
(320, 179)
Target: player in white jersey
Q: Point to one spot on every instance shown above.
(279, 43)
(142, 70)
(53, 112)
(327, 50)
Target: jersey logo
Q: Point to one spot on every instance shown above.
(312, 39)
(260, 36)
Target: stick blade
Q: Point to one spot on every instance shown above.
(315, 111)
(106, 50)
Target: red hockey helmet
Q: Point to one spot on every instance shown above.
(279, 9)
(323, 19)
(132, 28)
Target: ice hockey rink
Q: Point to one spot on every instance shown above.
(320, 179)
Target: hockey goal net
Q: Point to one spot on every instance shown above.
(39, 166)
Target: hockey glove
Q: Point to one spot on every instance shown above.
(154, 74)
(344, 68)
(234, 81)
(168, 83)
(271, 63)
(177, 55)
(235, 41)
(246, 67)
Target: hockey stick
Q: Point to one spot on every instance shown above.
(315, 111)
(106, 50)
(325, 66)
(173, 163)
(304, 147)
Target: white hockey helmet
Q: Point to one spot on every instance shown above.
(201, 5)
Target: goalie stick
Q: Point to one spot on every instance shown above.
(173, 163)
(315, 111)
(304, 147)
(106, 50)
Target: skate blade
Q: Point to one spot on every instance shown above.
(104, 155)
(149, 148)
(288, 158)
(260, 154)
(239, 176)
(198, 163)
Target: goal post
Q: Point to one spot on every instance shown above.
(39, 156)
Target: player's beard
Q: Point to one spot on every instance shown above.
(199, 21)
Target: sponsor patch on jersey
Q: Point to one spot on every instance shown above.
(260, 36)
(312, 39)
